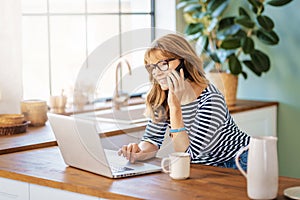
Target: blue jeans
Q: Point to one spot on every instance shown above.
(231, 163)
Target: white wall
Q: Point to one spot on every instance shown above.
(165, 17)
(10, 56)
(165, 14)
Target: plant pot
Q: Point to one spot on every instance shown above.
(226, 83)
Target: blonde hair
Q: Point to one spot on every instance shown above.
(171, 46)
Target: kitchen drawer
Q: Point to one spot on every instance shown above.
(258, 122)
(38, 192)
(13, 190)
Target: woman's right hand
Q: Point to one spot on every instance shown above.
(131, 152)
(134, 152)
(176, 88)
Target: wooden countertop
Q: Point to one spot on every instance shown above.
(38, 137)
(246, 105)
(45, 167)
(35, 137)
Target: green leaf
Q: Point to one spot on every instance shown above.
(200, 44)
(226, 22)
(212, 25)
(278, 2)
(257, 6)
(244, 75)
(215, 57)
(192, 8)
(244, 21)
(184, 3)
(240, 34)
(243, 12)
(193, 28)
(260, 60)
(265, 22)
(193, 36)
(248, 45)
(231, 43)
(230, 31)
(215, 4)
(254, 3)
(199, 15)
(235, 66)
(220, 9)
(267, 37)
(251, 66)
(206, 46)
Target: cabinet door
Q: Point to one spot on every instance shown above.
(13, 190)
(258, 122)
(38, 192)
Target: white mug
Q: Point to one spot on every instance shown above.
(262, 167)
(179, 165)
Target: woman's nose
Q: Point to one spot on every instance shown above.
(155, 71)
(158, 73)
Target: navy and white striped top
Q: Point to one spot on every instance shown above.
(214, 136)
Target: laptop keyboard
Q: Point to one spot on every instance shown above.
(116, 169)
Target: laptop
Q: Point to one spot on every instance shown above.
(81, 147)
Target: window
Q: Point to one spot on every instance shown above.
(59, 36)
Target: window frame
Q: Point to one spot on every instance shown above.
(48, 15)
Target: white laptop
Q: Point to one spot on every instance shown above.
(81, 147)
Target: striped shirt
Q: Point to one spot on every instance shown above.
(214, 136)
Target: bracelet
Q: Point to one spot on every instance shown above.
(177, 130)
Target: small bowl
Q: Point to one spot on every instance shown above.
(11, 119)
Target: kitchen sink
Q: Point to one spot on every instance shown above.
(126, 115)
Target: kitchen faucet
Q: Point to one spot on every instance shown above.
(120, 98)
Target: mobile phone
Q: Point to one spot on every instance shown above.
(182, 65)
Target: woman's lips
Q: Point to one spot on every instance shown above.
(162, 81)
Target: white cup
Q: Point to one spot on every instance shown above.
(179, 165)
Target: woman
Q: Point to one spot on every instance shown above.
(194, 110)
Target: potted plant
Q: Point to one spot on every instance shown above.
(229, 39)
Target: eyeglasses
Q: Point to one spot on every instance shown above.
(162, 65)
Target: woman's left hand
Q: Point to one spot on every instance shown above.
(176, 87)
